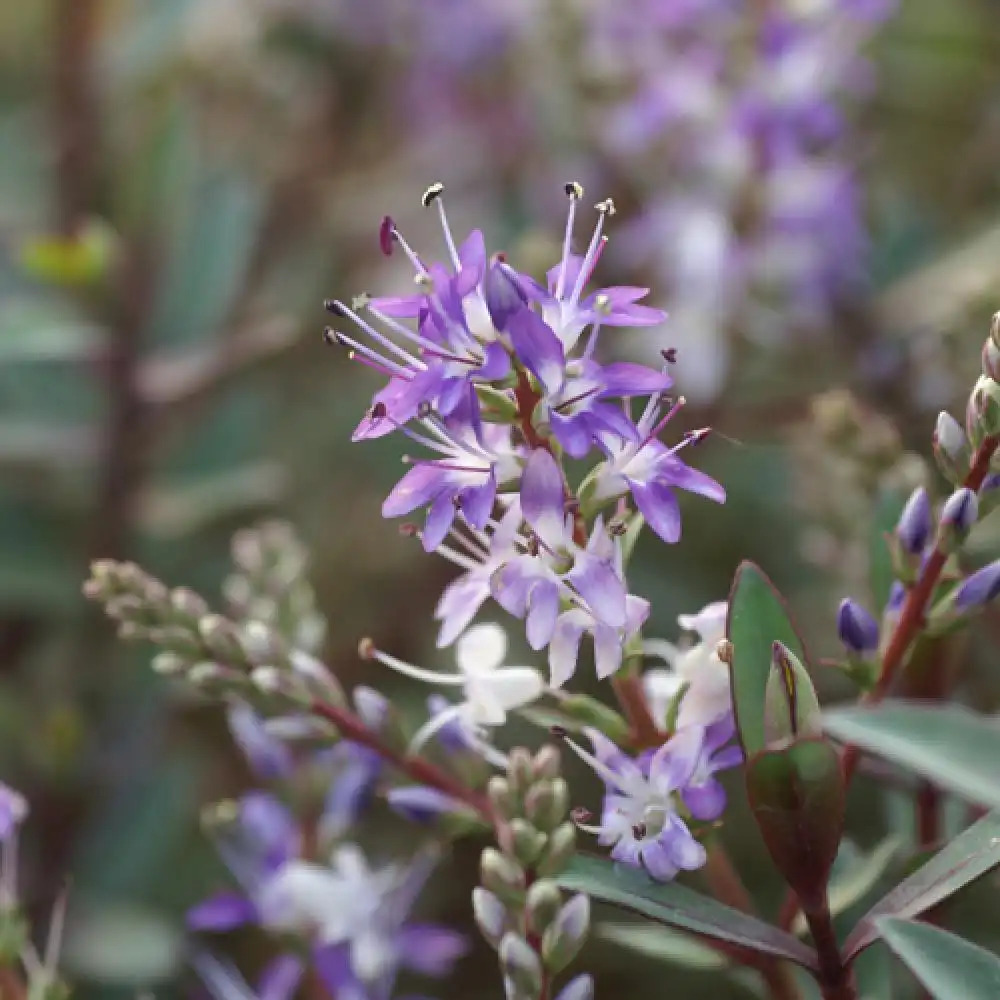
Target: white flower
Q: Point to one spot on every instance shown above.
(491, 689)
(708, 697)
(339, 904)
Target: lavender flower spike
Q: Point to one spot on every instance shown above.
(979, 589)
(857, 629)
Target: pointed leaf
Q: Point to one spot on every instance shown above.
(948, 966)
(677, 906)
(663, 944)
(971, 854)
(757, 617)
(948, 745)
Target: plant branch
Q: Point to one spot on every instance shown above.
(911, 618)
(836, 980)
(643, 732)
(418, 768)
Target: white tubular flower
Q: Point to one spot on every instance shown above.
(707, 698)
(491, 689)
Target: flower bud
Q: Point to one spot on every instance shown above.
(521, 840)
(177, 639)
(501, 797)
(542, 905)
(991, 360)
(958, 515)
(558, 851)
(579, 988)
(520, 963)
(519, 770)
(277, 683)
(951, 448)
(221, 640)
(979, 589)
(984, 408)
(914, 528)
(169, 664)
(791, 708)
(546, 763)
(547, 803)
(857, 629)
(562, 942)
(502, 875)
(380, 716)
(995, 329)
(317, 678)
(188, 606)
(490, 915)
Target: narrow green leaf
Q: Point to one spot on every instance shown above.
(949, 967)
(888, 507)
(971, 854)
(677, 906)
(757, 617)
(948, 745)
(663, 944)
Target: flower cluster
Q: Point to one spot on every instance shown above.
(499, 377)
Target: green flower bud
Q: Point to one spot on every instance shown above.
(503, 876)
(169, 664)
(502, 798)
(221, 640)
(490, 915)
(542, 905)
(562, 942)
(547, 803)
(558, 851)
(519, 962)
(519, 771)
(188, 607)
(546, 763)
(521, 840)
(951, 448)
(791, 708)
(985, 407)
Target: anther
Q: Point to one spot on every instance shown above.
(409, 530)
(617, 527)
(606, 207)
(574, 190)
(669, 355)
(432, 194)
(424, 409)
(724, 651)
(379, 410)
(360, 301)
(386, 235)
(581, 814)
(559, 732)
(330, 336)
(333, 306)
(366, 649)
(639, 831)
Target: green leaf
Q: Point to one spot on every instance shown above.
(663, 944)
(854, 875)
(677, 906)
(948, 966)
(972, 854)
(38, 331)
(888, 507)
(757, 617)
(948, 745)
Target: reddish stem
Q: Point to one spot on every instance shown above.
(526, 399)
(643, 732)
(352, 728)
(911, 619)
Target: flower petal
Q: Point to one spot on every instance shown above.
(543, 609)
(542, 497)
(539, 349)
(659, 507)
(564, 649)
(222, 912)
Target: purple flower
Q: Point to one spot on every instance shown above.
(353, 773)
(268, 756)
(703, 795)
(279, 980)
(652, 472)
(475, 460)
(915, 523)
(857, 629)
(640, 820)
(960, 511)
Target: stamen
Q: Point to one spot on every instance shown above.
(433, 726)
(432, 194)
(370, 652)
(377, 336)
(604, 772)
(670, 355)
(367, 352)
(681, 401)
(589, 262)
(574, 191)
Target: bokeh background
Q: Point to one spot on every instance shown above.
(810, 187)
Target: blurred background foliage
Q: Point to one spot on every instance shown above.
(182, 183)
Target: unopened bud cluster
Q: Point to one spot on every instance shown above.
(519, 908)
(269, 584)
(214, 653)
